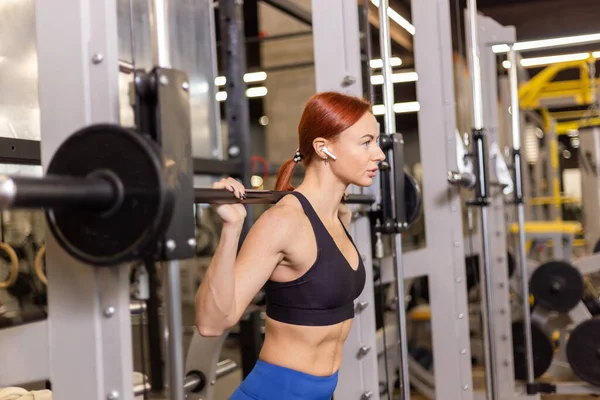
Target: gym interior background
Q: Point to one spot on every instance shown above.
(461, 324)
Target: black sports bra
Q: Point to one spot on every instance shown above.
(325, 294)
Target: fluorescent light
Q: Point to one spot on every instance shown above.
(251, 92)
(399, 77)
(538, 61)
(255, 76)
(378, 62)
(397, 18)
(408, 107)
(250, 77)
(535, 61)
(220, 81)
(399, 108)
(221, 96)
(546, 43)
(256, 91)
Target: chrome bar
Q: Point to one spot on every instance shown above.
(516, 133)
(390, 128)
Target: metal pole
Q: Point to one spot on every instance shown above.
(173, 329)
(159, 26)
(474, 67)
(516, 132)
(482, 201)
(390, 128)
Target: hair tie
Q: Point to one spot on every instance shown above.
(298, 156)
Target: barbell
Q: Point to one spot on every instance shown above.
(106, 194)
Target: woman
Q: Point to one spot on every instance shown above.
(300, 251)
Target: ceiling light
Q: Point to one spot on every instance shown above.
(378, 62)
(396, 78)
(250, 77)
(538, 61)
(399, 108)
(256, 91)
(251, 92)
(546, 43)
(397, 18)
(535, 61)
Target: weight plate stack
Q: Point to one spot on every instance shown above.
(133, 227)
(543, 351)
(557, 286)
(510, 261)
(412, 198)
(583, 351)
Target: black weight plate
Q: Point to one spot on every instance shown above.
(556, 286)
(510, 259)
(132, 229)
(583, 351)
(412, 198)
(543, 351)
(597, 247)
(592, 304)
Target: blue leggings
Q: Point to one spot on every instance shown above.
(271, 382)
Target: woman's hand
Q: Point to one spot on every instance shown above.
(231, 214)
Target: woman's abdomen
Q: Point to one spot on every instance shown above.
(315, 350)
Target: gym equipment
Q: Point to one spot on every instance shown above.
(482, 201)
(108, 199)
(583, 351)
(14, 266)
(592, 304)
(557, 286)
(203, 367)
(393, 182)
(543, 351)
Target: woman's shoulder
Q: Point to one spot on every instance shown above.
(286, 213)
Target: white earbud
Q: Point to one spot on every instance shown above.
(329, 153)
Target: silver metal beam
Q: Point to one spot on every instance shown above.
(442, 204)
(516, 133)
(389, 129)
(482, 190)
(25, 354)
(159, 28)
(89, 329)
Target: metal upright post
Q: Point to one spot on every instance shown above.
(89, 327)
(173, 325)
(338, 67)
(516, 133)
(173, 329)
(389, 129)
(233, 61)
(482, 201)
(159, 26)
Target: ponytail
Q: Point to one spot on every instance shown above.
(284, 176)
(326, 115)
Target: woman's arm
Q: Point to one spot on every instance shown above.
(231, 282)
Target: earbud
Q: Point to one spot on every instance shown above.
(329, 153)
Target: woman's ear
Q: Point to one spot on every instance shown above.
(318, 143)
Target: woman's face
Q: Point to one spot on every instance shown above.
(358, 152)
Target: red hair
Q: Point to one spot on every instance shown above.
(325, 115)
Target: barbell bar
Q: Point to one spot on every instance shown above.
(102, 194)
(109, 193)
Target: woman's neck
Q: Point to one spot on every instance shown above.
(323, 190)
